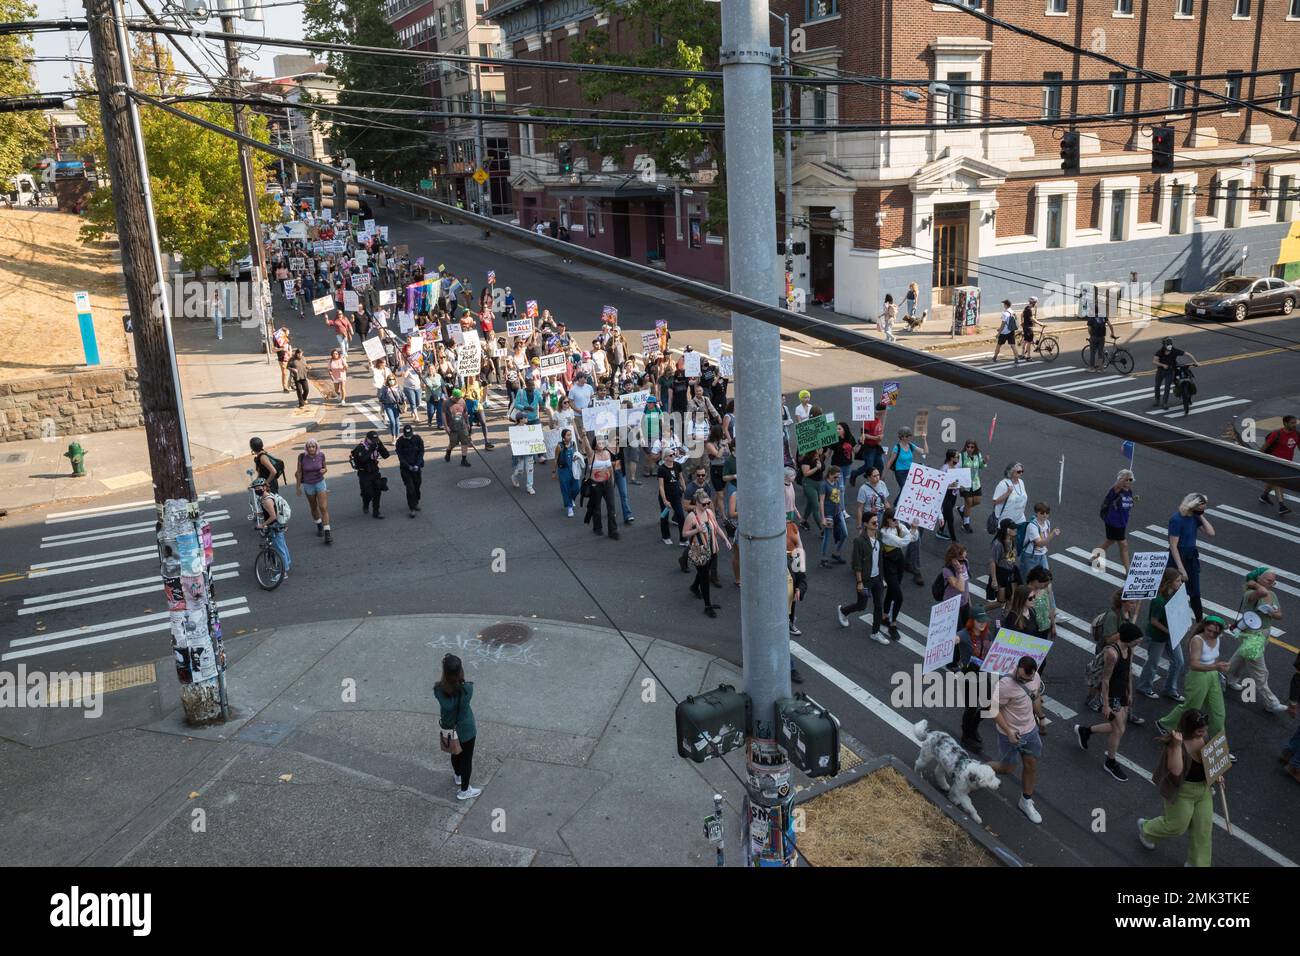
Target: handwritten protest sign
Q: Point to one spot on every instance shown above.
(816, 432)
(636, 398)
(374, 347)
(383, 233)
(649, 344)
(350, 301)
(1009, 646)
(368, 225)
(322, 305)
(361, 281)
(599, 416)
(469, 359)
(297, 263)
(519, 328)
(921, 426)
(961, 476)
(727, 365)
(1215, 757)
(363, 258)
(715, 349)
(552, 438)
(381, 318)
(1144, 574)
(405, 321)
(388, 297)
(527, 440)
(552, 365)
(290, 288)
(921, 502)
(864, 404)
(692, 364)
(942, 637)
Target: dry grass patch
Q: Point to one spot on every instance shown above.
(881, 820)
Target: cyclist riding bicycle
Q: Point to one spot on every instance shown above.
(268, 510)
(1166, 362)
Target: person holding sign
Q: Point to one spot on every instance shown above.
(1184, 526)
(902, 455)
(867, 573)
(1160, 642)
(1188, 804)
(1204, 690)
(600, 489)
(949, 506)
(899, 540)
(526, 410)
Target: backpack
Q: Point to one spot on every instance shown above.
(1093, 670)
(1096, 628)
(938, 587)
(282, 510)
(277, 468)
(1105, 505)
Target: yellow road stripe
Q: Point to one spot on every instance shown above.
(12, 576)
(1285, 645)
(1226, 358)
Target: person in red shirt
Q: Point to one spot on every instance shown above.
(871, 453)
(1280, 443)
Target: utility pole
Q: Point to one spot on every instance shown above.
(746, 59)
(245, 160)
(182, 531)
(788, 291)
(480, 149)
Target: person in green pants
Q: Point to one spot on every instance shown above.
(1204, 692)
(1188, 803)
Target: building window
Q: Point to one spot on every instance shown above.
(1241, 10)
(1285, 89)
(480, 8)
(457, 15)
(1058, 6)
(442, 21)
(1124, 7)
(1177, 94)
(1212, 203)
(591, 220)
(1283, 198)
(819, 106)
(1115, 94)
(1051, 96)
(1232, 85)
(1183, 8)
(820, 9)
(1055, 215)
(1294, 12)
(1118, 202)
(958, 107)
(1176, 210)
(1230, 213)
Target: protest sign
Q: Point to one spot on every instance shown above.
(921, 425)
(609, 314)
(715, 349)
(470, 337)
(942, 637)
(431, 336)
(383, 233)
(498, 353)
(368, 225)
(661, 323)
(815, 433)
(297, 264)
(374, 347)
(469, 360)
(414, 343)
(727, 365)
(327, 214)
(552, 438)
(599, 416)
(527, 440)
(1178, 616)
(457, 335)
(552, 365)
(290, 230)
(961, 476)
(1215, 758)
(630, 419)
(361, 281)
(864, 404)
(530, 308)
(405, 321)
(388, 297)
(492, 277)
(1144, 574)
(921, 502)
(649, 344)
(290, 288)
(350, 301)
(402, 249)
(322, 305)
(363, 258)
(692, 364)
(1009, 646)
(889, 393)
(636, 398)
(519, 328)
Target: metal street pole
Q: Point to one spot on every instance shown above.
(788, 292)
(480, 149)
(746, 59)
(184, 538)
(245, 160)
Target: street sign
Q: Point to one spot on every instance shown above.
(713, 830)
(480, 176)
(426, 183)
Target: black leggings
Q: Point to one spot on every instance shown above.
(949, 523)
(893, 594)
(602, 491)
(702, 581)
(462, 764)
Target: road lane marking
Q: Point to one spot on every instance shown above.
(162, 617)
(115, 531)
(1214, 404)
(235, 610)
(152, 587)
(112, 558)
(1266, 525)
(105, 511)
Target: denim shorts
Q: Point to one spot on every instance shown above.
(1030, 744)
(310, 488)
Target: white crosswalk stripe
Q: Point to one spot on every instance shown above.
(232, 607)
(1207, 557)
(1083, 381)
(1209, 405)
(116, 531)
(1265, 525)
(787, 349)
(105, 511)
(110, 592)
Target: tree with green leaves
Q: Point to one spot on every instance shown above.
(670, 34)
(23, 135)
(389, 148)
(194, 173)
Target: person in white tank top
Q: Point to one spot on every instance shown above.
(1204, 690)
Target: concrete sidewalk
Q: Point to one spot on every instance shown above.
(231, 392)
(332, 757)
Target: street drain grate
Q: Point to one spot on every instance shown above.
(474, 483)
(497, 634)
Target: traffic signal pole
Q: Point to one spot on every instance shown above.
(746, 59)
(184, 539)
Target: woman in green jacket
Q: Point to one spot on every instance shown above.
(456, 723)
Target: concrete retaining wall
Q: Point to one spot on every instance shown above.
(97, 400)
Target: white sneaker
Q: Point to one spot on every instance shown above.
(844, 621)
(1028, 809)
(469, 794)
(666, 540)
(531, 491)
(569, 512)
(1278, 709)
(1145, 840)
(879, 638)
(456, 778)
(514, 480)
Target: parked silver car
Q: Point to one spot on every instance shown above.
(1239, 297)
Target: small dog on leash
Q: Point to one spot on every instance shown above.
(956, 772)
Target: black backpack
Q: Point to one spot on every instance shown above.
(938, 587)
(277, 468)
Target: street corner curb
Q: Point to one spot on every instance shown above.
(996, 848)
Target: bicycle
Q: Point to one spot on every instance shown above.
(1046, 346)
(1112, 354)
(268, 566)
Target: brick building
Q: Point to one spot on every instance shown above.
(989, 207)
(611, 203)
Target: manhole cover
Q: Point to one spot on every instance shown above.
(497, 634)
(474, 483)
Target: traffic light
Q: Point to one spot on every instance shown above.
(1162, 149)
(1070, 153)
(564, 153)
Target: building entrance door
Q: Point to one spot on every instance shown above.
(951, 225)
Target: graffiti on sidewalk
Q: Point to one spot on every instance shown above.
(476, 651)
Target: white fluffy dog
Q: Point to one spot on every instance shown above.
(956, 772)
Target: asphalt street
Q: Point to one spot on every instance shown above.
(80, 588)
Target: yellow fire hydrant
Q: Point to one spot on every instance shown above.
(77, 455)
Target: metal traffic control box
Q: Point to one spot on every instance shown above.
(810, 735)
(713, 723)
